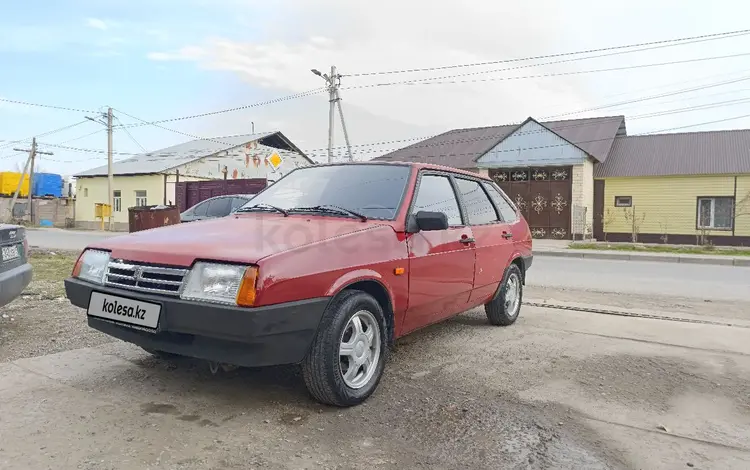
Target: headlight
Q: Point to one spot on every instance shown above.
(221, 283)
(92, 266)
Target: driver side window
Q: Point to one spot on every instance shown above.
(435, 193)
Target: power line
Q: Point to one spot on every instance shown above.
(500, 135)
(574, 59)
(156, 124)
(228, 110)
(438, 81)
(651, 97)
(676, 92)
(50, 106)
(551, 56)
(458, 139)
(125, 129)
(44, 134)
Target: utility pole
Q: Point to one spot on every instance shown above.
(30, 166)
(333, 81)
(110, 177)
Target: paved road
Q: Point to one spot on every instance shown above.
(645, 278)
(58, 239)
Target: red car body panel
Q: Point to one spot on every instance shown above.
(310, 256)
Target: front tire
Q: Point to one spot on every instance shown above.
(504, 309)
(349, 352)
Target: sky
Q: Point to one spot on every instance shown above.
(175, 58)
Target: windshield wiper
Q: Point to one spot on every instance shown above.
(263, 205)
(330, 209)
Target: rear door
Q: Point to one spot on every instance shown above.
(441, 262)
(493, 238)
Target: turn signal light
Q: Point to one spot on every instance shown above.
(246, 294)
(77, 266)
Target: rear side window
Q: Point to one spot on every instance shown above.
(435, 193)
(200, 209)
(506, 210)
(219, 207)
(479, 209)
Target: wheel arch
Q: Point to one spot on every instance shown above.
(374, 286)
(518, 261)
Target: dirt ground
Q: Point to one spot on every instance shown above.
(559, 389)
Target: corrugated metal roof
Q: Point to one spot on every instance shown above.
(176, 155)
(688, 153)
(460, 148)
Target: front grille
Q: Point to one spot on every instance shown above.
(145, 278)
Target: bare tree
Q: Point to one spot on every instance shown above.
(742, 207)
(608, 218)
(664, 226)
(635, 221)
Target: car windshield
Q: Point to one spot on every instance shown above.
(374, 191)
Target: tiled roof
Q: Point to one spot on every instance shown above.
(460, 148)
(689, 153)
(171, 157)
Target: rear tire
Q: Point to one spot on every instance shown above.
(348, 355)
(504, 309)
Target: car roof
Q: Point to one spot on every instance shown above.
(418, 166)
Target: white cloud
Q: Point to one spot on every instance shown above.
(421, 33)
(96, 23)
(185, 53)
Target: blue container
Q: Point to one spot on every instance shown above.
(47, 184)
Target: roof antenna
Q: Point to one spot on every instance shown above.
(252, 127)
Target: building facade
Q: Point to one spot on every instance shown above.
(546, 168)
(684, 188)
(150, 179)
(587, 178)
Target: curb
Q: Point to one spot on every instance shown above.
(715, 260)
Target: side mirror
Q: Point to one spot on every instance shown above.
(428, 220)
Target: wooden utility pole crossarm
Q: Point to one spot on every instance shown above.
(33, 152)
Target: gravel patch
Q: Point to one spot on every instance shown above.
(42, 321)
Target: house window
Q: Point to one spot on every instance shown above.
(117, 201)
(623, 201)
(715, 213)
(140, 198)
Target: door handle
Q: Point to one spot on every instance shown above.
(467, 240)
(507, 235)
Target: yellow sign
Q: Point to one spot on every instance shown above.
(275, 160)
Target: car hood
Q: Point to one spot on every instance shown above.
(245, 238)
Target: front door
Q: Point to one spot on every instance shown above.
(441, 262)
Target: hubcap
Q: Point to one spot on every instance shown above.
(512, 295)
(359, 350)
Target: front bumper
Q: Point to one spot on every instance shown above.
(249, 337)
(13, 282)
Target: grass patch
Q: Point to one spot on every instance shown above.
(50, 270)
(687, 250)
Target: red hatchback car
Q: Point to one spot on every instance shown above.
(326, 267)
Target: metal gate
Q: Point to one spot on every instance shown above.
(543, 195)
